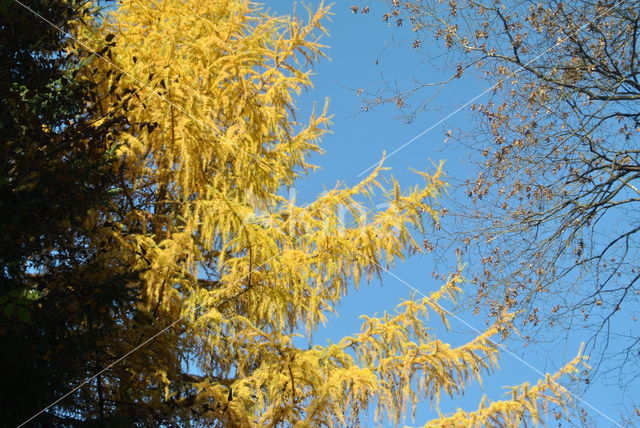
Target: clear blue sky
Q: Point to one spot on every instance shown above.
(357, 141)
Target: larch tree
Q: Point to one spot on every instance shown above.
(551, 214)
(232, 271)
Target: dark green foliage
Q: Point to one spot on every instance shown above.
(53, 163)
(58, 293)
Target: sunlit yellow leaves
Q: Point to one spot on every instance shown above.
(527, 403)
(236, 268)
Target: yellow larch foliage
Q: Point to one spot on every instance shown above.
(528, 403)
(232, 269)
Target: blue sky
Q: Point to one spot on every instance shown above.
(364, 53)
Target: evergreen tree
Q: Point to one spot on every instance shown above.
(57, 174)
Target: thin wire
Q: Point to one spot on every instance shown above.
(558, 43)
(384, 269)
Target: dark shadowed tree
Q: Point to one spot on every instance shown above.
(59, 289)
